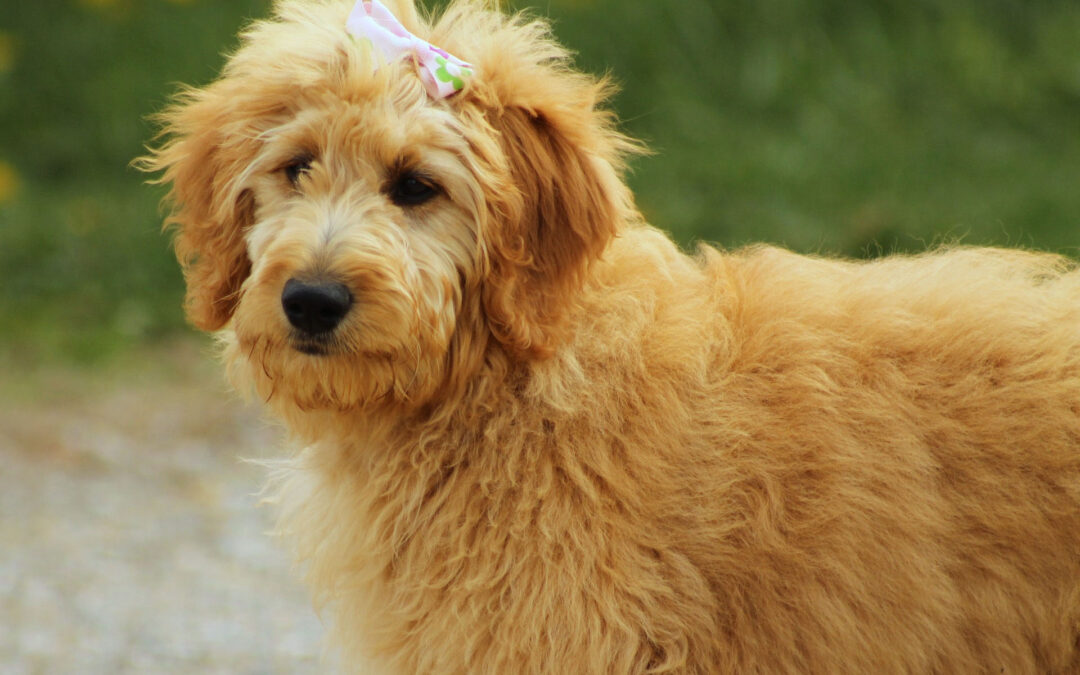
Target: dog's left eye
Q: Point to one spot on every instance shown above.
(411, 189)
(296, 168)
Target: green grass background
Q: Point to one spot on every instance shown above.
(856, 128)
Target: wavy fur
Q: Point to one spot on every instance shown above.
(547, 441)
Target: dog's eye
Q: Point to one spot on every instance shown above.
(411, 189)
(296, 168)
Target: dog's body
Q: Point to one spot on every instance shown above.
(759, 464)
(541, 439)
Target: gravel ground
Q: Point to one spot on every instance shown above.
(130, 538)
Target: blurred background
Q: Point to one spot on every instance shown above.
(128, 537)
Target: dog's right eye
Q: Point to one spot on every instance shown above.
(412, 189)
(296, 168)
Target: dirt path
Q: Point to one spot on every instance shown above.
(130, 539)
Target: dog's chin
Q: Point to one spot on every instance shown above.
(324, 374)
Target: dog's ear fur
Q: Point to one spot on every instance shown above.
(203, 162)
(565, 218)
(565, 198)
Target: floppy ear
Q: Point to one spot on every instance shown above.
(552, 160)
(569, 205)
(203, 162)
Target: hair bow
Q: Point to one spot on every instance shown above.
(443, 75)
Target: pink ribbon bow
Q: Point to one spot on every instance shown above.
(443, 75)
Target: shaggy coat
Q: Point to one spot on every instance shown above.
(545, 440)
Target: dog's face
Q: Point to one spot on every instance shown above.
(365, 230)
(363, 243)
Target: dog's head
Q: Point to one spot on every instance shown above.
(362, 241)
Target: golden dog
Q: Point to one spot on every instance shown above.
(538, 438)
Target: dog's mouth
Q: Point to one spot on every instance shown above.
(311, 349)
(313, 345)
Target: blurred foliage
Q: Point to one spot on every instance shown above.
(85, 272)
(824, 125)
(851, 127)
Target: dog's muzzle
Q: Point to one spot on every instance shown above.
(315, 309)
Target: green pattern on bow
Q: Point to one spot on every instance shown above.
(444, 74)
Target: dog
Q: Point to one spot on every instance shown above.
(538, 437)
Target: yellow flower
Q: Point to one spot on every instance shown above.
(9, 182)
(7, 52)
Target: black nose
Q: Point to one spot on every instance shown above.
(315, 308)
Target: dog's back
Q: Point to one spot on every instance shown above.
(883, 460)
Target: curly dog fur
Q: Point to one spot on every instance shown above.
(544, 440)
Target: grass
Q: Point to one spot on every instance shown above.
(85, 273)
(857, 128)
